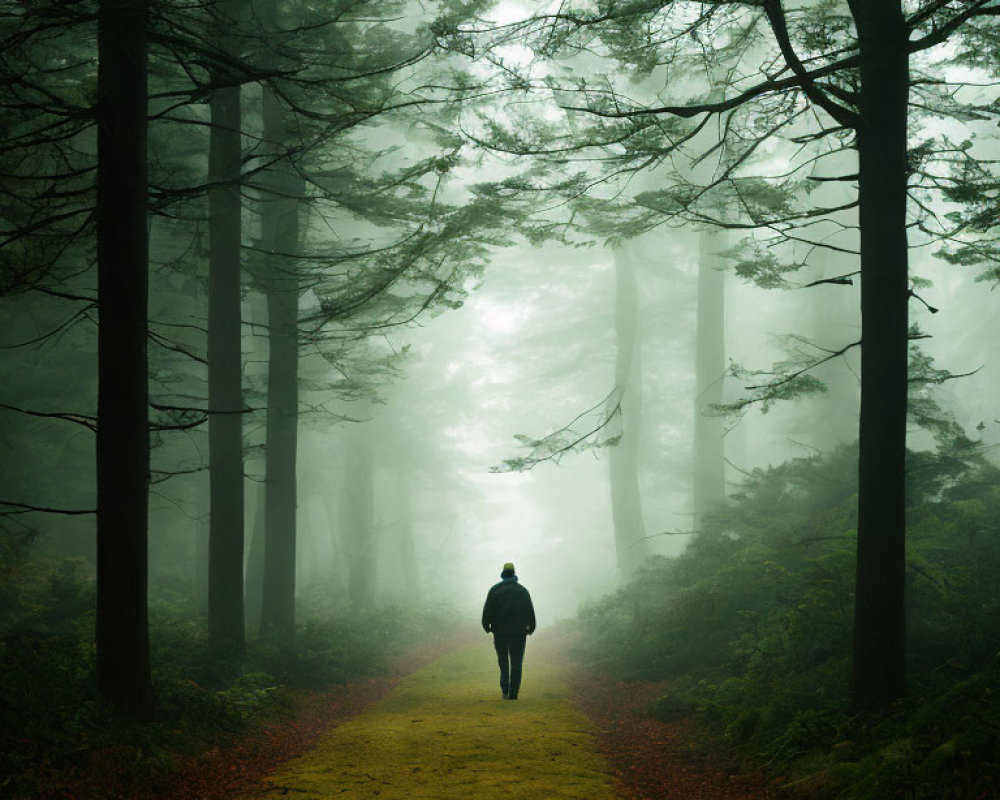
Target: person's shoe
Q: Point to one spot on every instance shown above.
(512, 697)
(504, 693)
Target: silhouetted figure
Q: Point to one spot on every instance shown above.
(509, 615)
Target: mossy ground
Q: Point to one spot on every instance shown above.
(445, 733)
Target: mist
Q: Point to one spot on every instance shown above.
(325, 324)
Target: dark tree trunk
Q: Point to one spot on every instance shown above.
(626, 502)
(710, 366)
(277, 620)
(123, 675)
(226, 625)
(254, 579)
(280, 240)
(201, 527)
(879, 647)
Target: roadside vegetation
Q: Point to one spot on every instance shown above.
(59, 736)
(752, 628)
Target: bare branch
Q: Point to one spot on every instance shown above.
(779, 26)
(88, 422)
(24, 508)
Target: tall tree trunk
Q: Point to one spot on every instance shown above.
(202, 529)
(278, 599)
(226, 623)
(626, 503)
(359, 516)
(122, 636)
(280, 241)
(879, 637)
(254, 579)
(710, 367)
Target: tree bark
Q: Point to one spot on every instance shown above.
(278, 599)
(280, 241)
(626, 502)
(710, 367)
(122, 636)
(226, 622)
(201, 529)
(254, 576)
(879, 622)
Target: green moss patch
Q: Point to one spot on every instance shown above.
(445, 732)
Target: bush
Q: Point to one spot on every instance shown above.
(56, 727)
(753, 624)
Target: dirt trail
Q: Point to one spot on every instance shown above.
(444, 733)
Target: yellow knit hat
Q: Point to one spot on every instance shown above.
(509, 566)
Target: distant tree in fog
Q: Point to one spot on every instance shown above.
(623, 462)
(359, 512)
(710, 369)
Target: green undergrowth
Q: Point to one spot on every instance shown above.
(57, 731)
(752, 626)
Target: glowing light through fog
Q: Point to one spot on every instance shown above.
(501, 318)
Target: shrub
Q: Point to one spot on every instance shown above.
(753, 624)
(56, 728)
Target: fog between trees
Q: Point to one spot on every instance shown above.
(436, 238)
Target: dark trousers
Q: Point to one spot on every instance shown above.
(510, 656)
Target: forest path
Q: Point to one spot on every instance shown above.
(444, 733)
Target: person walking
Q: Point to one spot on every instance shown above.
(509, 615)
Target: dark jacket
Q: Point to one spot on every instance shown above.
(508, 610)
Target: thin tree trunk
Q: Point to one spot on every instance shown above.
(879, 637)
(359, 517)
(226, 623)
(626, 503)
(122, 636)
(278, 600)
(202, 529)
(710, 366)
(254, 579)
(280, 241)
(334, 525)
